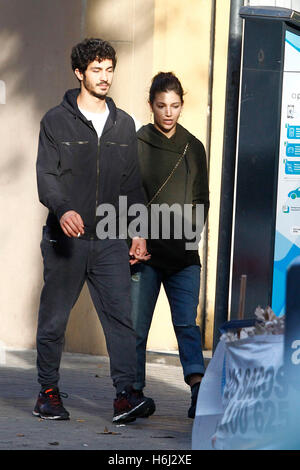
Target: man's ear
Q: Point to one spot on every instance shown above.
(78, 74)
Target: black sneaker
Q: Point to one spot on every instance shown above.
(131, 404)
(194, 396)
(149, 410)
(49, 405)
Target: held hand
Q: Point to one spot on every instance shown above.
(138, 251)
(72, 224)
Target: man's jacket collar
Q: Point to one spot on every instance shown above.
(70, 102)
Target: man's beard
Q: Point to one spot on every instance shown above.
(94, 92)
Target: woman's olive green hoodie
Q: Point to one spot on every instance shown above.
(158, 156)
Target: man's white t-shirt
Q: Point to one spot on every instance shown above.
(98, 119)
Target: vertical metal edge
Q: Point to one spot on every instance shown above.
(203, 297)
(228, 169)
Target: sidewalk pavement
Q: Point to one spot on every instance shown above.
(86, 380)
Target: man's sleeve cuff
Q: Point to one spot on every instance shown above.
(61, 210)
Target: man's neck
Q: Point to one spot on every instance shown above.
(91, 103)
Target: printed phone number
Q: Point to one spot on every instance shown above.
(266, 417)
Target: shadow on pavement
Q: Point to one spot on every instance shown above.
(86, 380)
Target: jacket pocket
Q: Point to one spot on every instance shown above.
(74, 155)
(79, 142)
(116, 143)
(117, 152)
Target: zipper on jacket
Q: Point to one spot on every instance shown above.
(79, 142)
(97, 167)
(116, 143)
(97, 182)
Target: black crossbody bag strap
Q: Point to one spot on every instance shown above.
(170, 175)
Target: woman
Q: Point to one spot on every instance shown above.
(173, 168)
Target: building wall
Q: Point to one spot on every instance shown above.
(149, 36)
(181, 44)
(160, 35)
(128, 25)
(215, 164)
(35, 39)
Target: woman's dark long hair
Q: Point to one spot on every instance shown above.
(165, 81)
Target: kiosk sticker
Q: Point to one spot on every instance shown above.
(292, 168)
(287, 235)
(292, 150)
(293, 132)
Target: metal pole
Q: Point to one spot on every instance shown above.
(208, 153)
(228, 168)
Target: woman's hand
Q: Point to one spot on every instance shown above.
(138, 251)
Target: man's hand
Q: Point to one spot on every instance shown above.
(138, 251)
(72, 224)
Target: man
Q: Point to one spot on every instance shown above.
(87, 156)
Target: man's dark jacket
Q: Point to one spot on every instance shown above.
(77, 171)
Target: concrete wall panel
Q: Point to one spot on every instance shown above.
(35, 39)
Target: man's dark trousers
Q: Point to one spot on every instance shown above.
(104, 265)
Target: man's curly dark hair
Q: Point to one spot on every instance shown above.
(89, 50)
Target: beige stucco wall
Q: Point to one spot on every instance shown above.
(128, 25)
(147, 40)
(182, 45)
(35, 39)
(163, 35)
(218, 111)
(149, 36)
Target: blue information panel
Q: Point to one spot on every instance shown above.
(287, 236)
(293, 132)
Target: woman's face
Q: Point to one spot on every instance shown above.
(166, 109)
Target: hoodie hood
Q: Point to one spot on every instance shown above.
(153, 137)
(70, 102)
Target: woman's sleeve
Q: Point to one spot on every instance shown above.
(200, 186)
